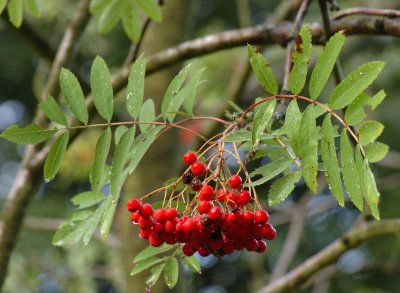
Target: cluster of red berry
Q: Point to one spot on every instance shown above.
(221, 224)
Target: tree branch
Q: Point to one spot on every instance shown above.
(331, 253)
(389, 13)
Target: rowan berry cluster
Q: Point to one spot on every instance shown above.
(217, 222)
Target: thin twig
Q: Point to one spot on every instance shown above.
(389, 13)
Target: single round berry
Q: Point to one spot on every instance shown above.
(252, 245)
(134, 205)
(235, 181)
(145, 223)
(198, 169)
(146, 211)
(135, 217)
(170, 213)
(187, 178)
(206, 193)
(203, 207)
(248, 217)
(170, 226)
(262, 246)
(232, 199)
(214, 213)
(187, 249)
(244, 197)
(145, 233)
(159, 216)
(189, 225)
(156, 240)
(261, 216)
(221, 194)
(196, 185)
(189, 158)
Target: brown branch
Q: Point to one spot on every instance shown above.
(330, 254)
(389, 13)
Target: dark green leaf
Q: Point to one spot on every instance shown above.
(262, 70)
(15, 10)
(350, 177)
(145, 264)
(262, 117)
(110, 16)
(34, 7)
(102, 92)
(55, 156)
(309, 148)
(282, 188)
(369, 131)
(191, 91)
(269, 171)
(292, 125)
(376, 151)
(151, 9)
(355, 111)
(135, 88)
(132, 21)
(147, 114)
(192, 263)
(373, 195)
(151, 251)
(324, 65)
(329, 159)
(155, 275)
(98, 5)
(73, 95)
(354, 84)
(377, 99)
(300, 57)
(97, 172)
(361, 168)
(171, 272)
(53, 111)
(87, 199)
(30, 134)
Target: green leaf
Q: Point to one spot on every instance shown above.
(329, 159)
(87, 199)
(151, 9)
(145, 264)
(377, 99)
(34, 7)
(110, 16)
(376, 151)
(151, 251)
(119, 161)
(349, 173)
(3, 4)
(191, 91)
(55, 156)
(355, 111)
(373, 195)
(68, 234)
(30, 134)
(97, 172)
(147, 114)
(53, 111)
(119, 131)
(91, 225)
(269, 171)
(171, 272)
(81, 215)
(292, 125)
(324, 65)
(102, 92)
(107, 211)
(262, 70)
(369, 131)
(239, 136)
(361, 168)
(155, 275)
(263, 115)
(98, 5)
(15, 10)
(73, 95)
(309, 148)
(131, 21)
(300, 58)
(135, 88)
(192, 263)
(171, 93)
(282, 188)
(354, 84)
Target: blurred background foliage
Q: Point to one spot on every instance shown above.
(104, 266)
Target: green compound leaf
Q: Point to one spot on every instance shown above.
(191, 89)
(354, 84)
(151, 251)
(309, 148)
(282, 188)
(329, 159)
(53, 111)
(263, 115)
(30, 134)
(145, 264)
(97, 172)
(171, 272)
(355, 111)
(262, 70)
(110, 16)
(377, 99)
(151, 9)
(15, 10)
(55, 156)
(155, 275)
(300, 57)
(192, 263)
(73, 95)
(269, 171)
(87, 199)
(324, 65)
(292, 125)
(34, 7)
(69, 233)
(369, 131)
(171, 94)
(98, 5)
(147, 114)
(102, 92)
(135, 88)
(373, 195)
(132, 21)
(376, 151)
(349, 173)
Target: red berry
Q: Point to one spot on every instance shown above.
(189, 158)
(156, 240)
(248, 217)
(145, 234)
(214, 213)
(146, 211)
(170, 213)
(145, 223)
(265, 231)
(235, 181)
(158, 227)
(170, 226)
(188, 250)
(261, 217)
(244, 197)
(233, 218)
(252, 245)
(262, 246)
(232, 199)
(203, 207)
(196, 185)
(189, 225)
(228, 247)
(206, 193)
(198, 169)
(272, 233)
(134, 205)
(204, 251)
(159, 215)
(135, 217)
(221, 194)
